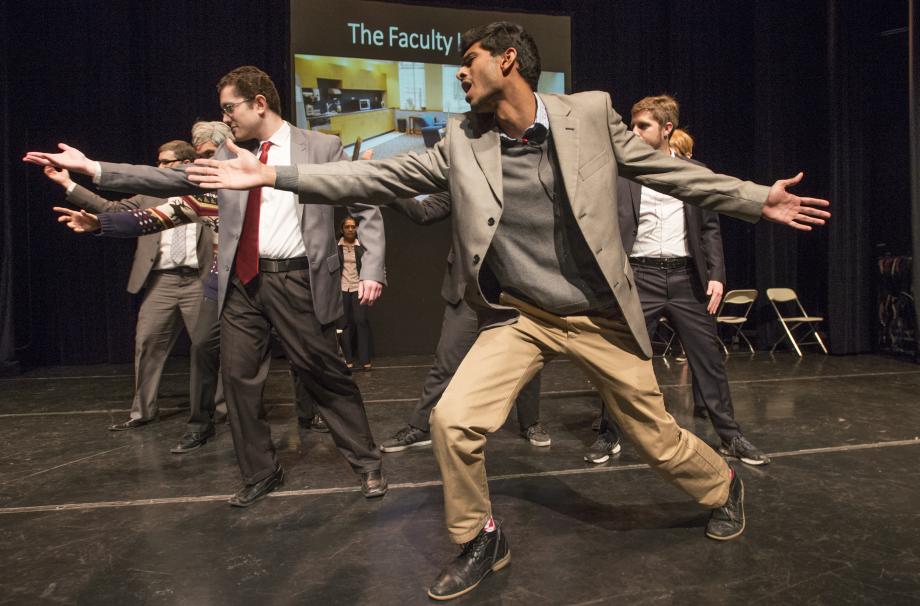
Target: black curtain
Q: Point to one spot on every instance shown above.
(8, 363)
(914, 111)
(767, 89)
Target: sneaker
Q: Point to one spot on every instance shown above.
(407, 437)
(537, 435)
(727, 522)
(740, 448)
(488, 552)
(603, 447)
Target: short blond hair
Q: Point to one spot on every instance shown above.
(664, 109)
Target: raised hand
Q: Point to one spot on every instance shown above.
(78, 220)
(69, 157)
(243, 172)
(789, 209)
(61, 176)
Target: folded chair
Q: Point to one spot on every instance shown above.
(741, 302)
(787, 297)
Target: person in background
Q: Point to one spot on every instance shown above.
(208, 136)
(357, 343)
(681, 143)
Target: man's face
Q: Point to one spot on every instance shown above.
(205, 150)
(167, 159)
(240, 114)
(481, 78)
(651, 131)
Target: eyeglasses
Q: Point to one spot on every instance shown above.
(228, 108)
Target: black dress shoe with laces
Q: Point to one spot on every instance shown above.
(129, 424)
(193, 440)
(250, 493)
(727, 522)
(488, 552)
(373, 484)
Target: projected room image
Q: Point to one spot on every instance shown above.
(392, 106)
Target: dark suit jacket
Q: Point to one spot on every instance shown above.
(704, 238)
(316, 222)
(148, 247)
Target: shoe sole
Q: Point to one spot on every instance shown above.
(539, 443)
(743, 523)
(494, 568)
(615, 450)
(402, 448)
(753, 462)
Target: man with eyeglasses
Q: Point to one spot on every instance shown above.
(168, 267)
(278, 268)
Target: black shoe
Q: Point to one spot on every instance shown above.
(316, 423)
(486, 553)
(537, 435)
(193, 440)
(604, 446)
(740, 448)
(129, 424)
(250, 493)
(727, 522)
(407, 437)
(373, 484)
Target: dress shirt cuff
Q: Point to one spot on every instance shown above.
(286, 178)
(97, 172)
(69, 189)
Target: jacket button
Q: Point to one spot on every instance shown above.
(491, 221)
(475, 259)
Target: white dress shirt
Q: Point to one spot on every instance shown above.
(662, 227)
(280, 236)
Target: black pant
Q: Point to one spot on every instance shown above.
(356, 331)
(677, 295)
(284, 301)
(458, 333)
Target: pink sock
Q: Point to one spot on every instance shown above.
(490, 525)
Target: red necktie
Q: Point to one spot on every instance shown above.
(247, 253)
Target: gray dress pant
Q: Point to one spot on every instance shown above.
(171, 299)
(283, 300)
(459, 330)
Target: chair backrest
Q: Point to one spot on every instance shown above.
(781, 295)
(740, 297)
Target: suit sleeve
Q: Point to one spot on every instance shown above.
(134, 178)
(711, 241)
(685, 181)
(84, 198)
(369, 181)
(424, 210)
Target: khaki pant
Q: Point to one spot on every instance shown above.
(505, 358)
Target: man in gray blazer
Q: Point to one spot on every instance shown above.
(278, 268)
(169, 269)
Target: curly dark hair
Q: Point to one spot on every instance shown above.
(499, 36)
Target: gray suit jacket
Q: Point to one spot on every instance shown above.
(316, 222)
(148, 247)
(593, 146)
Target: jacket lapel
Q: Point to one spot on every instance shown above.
(635, 194)
(487, 151)
(564, 129)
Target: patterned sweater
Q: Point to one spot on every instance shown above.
(201, 208)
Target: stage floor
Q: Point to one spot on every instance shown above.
(93, 517)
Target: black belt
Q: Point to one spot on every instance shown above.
(279, 265)
(185, 270)
(661, 262)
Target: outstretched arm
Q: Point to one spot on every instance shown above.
(424, 210)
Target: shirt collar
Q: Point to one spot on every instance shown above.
(281, 137)
(539, 125)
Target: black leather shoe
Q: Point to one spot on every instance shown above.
(250, 493)
(727, 522)
(129, 424)
(488, 552)
(193, 440)
(373, 484)
(316, 423)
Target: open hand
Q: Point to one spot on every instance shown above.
(243, 172)
(61, 176)
(78, 220)
(789, 209)
(369, 291)
(69, 157)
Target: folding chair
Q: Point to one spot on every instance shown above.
(745, 299)
(791, 323)
(664, 335)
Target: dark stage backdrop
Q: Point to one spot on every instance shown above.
(767, 88)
